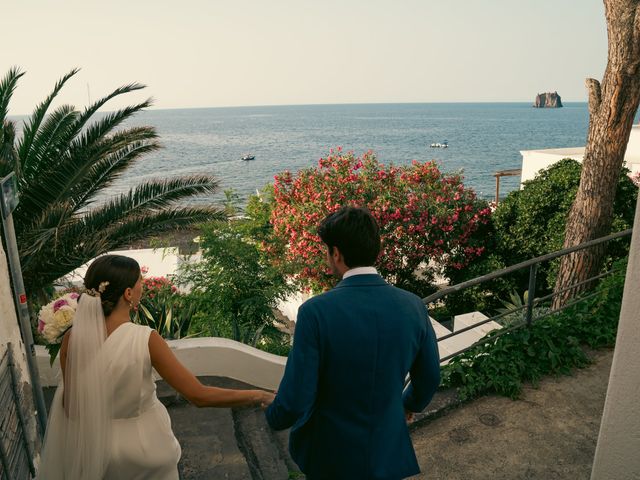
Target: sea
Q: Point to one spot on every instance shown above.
(482, 138)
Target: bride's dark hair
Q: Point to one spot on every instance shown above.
(121, 272)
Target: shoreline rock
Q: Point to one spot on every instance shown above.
(548, 100)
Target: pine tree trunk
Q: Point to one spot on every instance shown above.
(612, 108)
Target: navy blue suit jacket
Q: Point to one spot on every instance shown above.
(342, 390)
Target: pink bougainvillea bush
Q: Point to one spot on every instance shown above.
(427, 218)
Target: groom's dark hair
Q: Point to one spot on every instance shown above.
(356, 234)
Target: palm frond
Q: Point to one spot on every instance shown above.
(32, 126)
(44, 269)
(7, 87)
(74, 143)
(109, 168)
(76, 176)
(92, 109)
(8, 154)
(51, 143)
(72, 252)
(147, 199)
(64, 160)
(139, 227)
(153, 195)
(46, 231)
(98, 130)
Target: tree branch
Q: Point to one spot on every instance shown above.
(595, 96)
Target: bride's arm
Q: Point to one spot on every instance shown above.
(185, 382)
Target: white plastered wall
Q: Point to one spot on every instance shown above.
(617, 452)
(206, 356)
(535, 160)
(10, 333)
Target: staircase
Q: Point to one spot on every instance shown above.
(238, 444)
(461, 341)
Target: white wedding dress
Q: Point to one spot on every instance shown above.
(142, 443)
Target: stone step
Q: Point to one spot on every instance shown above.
(224, 443)
(461, 341)
(262, 448)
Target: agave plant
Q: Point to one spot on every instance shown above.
(63, 160)
(515, 312)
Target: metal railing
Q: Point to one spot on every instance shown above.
(531, 302)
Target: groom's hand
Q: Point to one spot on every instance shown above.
(408, 416)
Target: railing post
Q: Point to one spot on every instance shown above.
(531, 293)
(8, 202)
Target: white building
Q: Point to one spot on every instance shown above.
(535, 160)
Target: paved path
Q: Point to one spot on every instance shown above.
(550, 433)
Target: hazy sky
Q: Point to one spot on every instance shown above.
(210, 53)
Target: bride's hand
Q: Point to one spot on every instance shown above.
(265, 398)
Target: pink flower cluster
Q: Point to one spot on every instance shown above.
(153, 286)
(424, 214)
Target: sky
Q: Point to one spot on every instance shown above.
(215, 53)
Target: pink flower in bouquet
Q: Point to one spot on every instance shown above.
(61, 302)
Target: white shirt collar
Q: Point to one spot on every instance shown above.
(360, 271)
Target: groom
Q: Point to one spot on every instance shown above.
(341, 393)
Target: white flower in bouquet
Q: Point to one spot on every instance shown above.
(51, 334)
(56, 317)
(64, 317)
(45, 317)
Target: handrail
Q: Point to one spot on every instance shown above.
(528, 315)
(528, 263)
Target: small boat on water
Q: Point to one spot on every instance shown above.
(248, 156)
(444, 144)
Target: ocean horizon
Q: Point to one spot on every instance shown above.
(482, 138)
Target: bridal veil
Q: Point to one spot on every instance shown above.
(78, 433)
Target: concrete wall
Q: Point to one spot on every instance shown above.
(617, 452)
(213, 356)
(10, 333)
(204, 356)
(632, 155)
(535, 160)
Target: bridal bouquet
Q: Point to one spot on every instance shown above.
(55, 318)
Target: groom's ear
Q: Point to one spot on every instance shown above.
(337, 255)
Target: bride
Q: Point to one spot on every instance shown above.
(106, 421)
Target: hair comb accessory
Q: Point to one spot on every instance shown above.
(96, 293)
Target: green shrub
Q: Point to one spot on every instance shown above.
(485, 297)
(234, 287)
(164, 308)
(531, 222)
(551, 345)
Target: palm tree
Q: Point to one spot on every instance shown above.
(63, 160)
